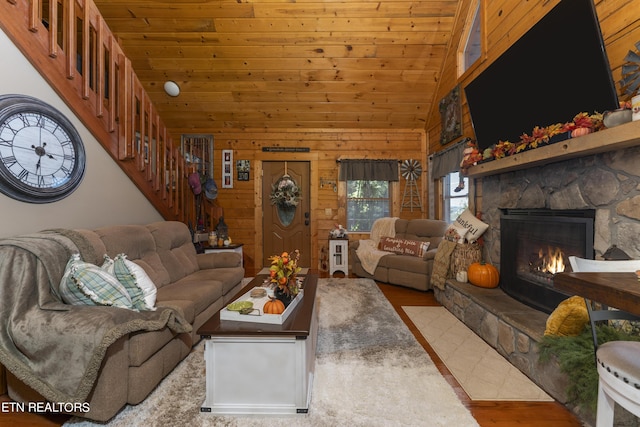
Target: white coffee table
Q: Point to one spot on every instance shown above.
(259, 368)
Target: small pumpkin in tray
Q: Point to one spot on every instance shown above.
(273, 306)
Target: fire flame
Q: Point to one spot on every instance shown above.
(552, 261)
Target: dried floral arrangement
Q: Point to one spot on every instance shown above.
(582, 124)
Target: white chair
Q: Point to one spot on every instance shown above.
(618, 362)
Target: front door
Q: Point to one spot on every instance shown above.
(286, 226)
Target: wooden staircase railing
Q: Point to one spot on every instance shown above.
(69, 43)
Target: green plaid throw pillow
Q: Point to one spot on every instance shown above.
(87, 284)
(135, 280)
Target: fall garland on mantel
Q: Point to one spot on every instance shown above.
(582, 124)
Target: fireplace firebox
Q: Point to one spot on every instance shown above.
(535, 244)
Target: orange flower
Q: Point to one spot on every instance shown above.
(583, 120)
(502, 149)
(284, 268)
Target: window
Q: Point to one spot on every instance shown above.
(366, 201)
(368, 188)
(471, 42)
(456, 195)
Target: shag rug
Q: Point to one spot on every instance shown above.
(370, 371)
(480, 370)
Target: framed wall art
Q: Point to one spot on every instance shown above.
(242, 169)
(451, 116)
(227, 168)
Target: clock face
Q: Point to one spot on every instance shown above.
(42, 157)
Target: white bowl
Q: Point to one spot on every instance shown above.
(616, 117)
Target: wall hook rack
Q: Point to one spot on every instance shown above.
(332, 183)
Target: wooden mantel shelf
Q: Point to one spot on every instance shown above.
(617, 138)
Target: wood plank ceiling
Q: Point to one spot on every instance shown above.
(306, 64)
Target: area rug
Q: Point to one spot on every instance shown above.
(481, 371)
(370, 371)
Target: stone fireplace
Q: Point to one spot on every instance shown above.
(604, 187)
(535, 245)
(607, 183)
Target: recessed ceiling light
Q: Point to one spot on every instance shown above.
(171, 88)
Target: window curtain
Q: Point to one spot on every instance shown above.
(368, 170)
(446, 161)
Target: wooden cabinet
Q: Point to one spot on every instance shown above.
(339, 256)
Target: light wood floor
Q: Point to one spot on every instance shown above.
(487, 413)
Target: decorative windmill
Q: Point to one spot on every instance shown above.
(411, 171)
(630, 82)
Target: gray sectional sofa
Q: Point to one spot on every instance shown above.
(105, 356)
(405, 270)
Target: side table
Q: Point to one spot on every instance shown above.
(339, 256)
(231, 248)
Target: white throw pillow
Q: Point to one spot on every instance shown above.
(475, 228)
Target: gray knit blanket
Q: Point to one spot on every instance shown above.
(441, 264)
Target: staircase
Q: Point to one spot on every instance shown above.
(83, 62)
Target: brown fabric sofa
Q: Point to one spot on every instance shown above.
(405, 270)
(144, 347)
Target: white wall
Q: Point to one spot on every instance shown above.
(106, 195)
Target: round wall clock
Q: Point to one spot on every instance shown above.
(42, 158)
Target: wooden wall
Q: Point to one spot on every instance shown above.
(243, 204)
(504, 23)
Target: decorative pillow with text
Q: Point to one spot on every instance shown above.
(475, 228)
(404, 246)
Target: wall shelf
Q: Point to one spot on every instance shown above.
(617, 138)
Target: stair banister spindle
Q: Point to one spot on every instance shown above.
(97, 82)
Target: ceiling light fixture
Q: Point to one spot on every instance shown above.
(171, 88)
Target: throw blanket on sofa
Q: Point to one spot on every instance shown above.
(441, 264)
(368, 251)
(55, 348)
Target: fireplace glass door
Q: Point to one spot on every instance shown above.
(535, 245)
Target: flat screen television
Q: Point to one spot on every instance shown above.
(556, 70)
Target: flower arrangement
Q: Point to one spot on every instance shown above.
(581, 124)
(285, 192)
(283, 271)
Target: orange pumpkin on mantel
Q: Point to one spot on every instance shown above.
(273, 306)
(483, 275)
(580, 132)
